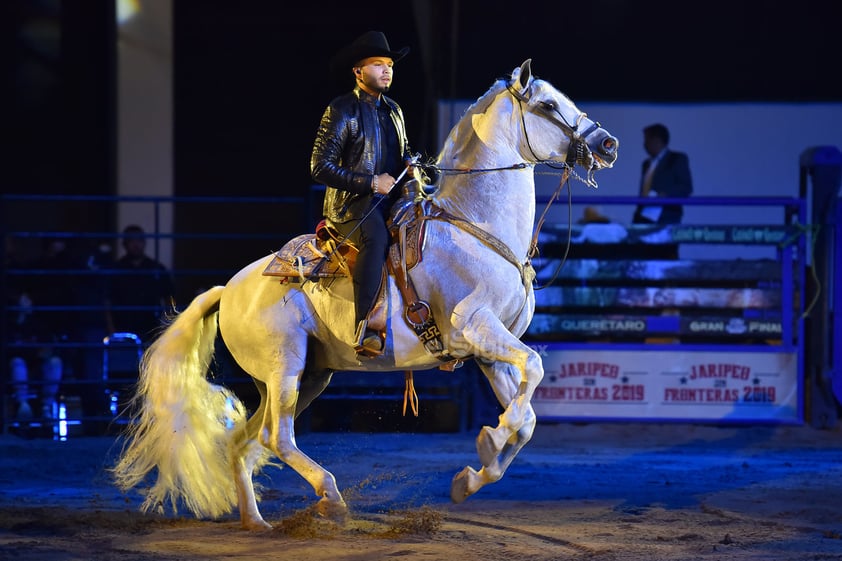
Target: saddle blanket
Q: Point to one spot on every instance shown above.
(308, 257)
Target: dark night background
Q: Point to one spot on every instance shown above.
(250, 82)
(251, 78)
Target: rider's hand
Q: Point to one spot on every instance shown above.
(382, 184)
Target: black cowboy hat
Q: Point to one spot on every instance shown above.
(369, 44)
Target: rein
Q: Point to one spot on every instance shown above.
(533, 248)
(469, 171)
(492, 241)
(488, 239)
(565, 178)
(527, 273)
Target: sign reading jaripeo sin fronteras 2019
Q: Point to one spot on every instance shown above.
(691, 385)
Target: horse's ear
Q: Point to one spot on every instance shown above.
(522, 76)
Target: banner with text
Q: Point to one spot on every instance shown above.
(669, 385)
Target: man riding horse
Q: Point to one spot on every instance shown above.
(360, 149)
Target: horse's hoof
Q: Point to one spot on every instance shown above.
(487, 448)
(460, 487)
(331, 510)
(257, 525)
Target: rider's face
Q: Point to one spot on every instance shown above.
(374, 74)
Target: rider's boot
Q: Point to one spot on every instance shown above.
(368, 342)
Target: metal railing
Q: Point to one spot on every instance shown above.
(202, 241)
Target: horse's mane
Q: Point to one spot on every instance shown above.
(462, 131)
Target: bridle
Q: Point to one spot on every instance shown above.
(577, 152)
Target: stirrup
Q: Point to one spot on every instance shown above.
(369, 343)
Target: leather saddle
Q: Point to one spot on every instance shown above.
(323, 254)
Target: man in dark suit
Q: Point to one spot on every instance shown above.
(665, 173)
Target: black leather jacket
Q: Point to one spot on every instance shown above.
(346, 153)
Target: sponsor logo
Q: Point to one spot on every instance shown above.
(771, 327)
(699, 326)
(758, 235)
(627, 325)
(705, 234)
(736, 326)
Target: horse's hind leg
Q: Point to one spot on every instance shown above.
(278, 434)
(250, 452)
(313, 383)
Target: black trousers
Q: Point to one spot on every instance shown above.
(372, 238)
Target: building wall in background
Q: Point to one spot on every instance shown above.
(145, 117)
(735, 150)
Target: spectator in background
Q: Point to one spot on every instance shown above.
(140, 289)
(665, 173)
(92, 327)
(36, 366)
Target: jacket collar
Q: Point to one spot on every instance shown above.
(362, 95)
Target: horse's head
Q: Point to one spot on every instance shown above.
(544, 111)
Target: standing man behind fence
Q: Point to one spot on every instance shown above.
(140, 289)
(665, 173)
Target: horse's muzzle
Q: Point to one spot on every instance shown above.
(603, 148)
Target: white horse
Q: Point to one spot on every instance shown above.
(291, 338)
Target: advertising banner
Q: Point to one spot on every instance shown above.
(668, 384)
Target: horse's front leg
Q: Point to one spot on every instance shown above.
(514, 371)
(495, 456)
(278, 434)
(515, 427)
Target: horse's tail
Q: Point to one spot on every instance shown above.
(182, 424)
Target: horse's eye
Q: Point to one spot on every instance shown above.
(549, 106)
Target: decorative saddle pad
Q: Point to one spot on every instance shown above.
(312, 256)
(324, 254)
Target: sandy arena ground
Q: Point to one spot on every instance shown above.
(619, 491)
